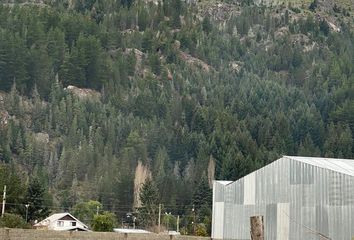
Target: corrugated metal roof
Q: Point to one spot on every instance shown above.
(345, 166)
(128, 230)
(223, 182)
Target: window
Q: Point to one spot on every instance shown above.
(73, 223)
(60, 223)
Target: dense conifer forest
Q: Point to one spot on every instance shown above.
(99, 98)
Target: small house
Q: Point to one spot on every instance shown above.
(61, 222)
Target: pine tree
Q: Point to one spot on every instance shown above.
(37, 199)
(207, 26)
(149, 197)
(202, 195)
(10, 177)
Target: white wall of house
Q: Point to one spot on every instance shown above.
(64, 224)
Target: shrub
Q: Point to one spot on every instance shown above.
(13, 221)
(201, 230)
(103, 222)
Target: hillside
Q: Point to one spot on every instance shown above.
(98, 96)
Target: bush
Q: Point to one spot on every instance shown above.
(103, 222)
(183, 231)
(201, 230)
(295, 9)
(313, 5)
(13, 221)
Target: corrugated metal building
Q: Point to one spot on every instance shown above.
(300, 198)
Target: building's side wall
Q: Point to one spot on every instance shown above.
(218, 210)
(297, 200)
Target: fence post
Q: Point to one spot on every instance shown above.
(7, 234)
(257, 228)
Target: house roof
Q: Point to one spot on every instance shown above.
(345, 166)
(127, 230)
(223, 182)
(73, 228)
(55, 217)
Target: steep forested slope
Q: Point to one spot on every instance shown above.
(184, 92)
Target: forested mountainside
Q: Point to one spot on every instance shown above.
(98, 96)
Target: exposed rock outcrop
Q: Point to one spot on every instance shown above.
(195, 61)
(83, 93)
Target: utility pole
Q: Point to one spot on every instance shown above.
(257, 228)
(168, 216)
(159, 218)
(27, 205)
(3, 202)
(178, 223)
(193, 210)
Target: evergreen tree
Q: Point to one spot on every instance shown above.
(202, 196)
(15, 188)
(207, 26)
(38, 200)
(148, 212)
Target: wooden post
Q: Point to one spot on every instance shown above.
(177, 223)
(3, 202)
(257, 228)
(7, 234)
(159, 218)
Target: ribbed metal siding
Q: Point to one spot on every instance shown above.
(295, 198)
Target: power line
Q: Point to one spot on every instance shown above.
(115, 199)
(321, 235)
(58, 207)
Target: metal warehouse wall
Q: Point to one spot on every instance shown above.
(298, 201)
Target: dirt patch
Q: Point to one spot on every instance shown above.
(42, 137)
(195, 61)
(83, 93)
(235, 66)
(4, 118)
(219, 11)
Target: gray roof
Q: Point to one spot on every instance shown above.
(224, 182)
(126, 230)
(345, 166)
